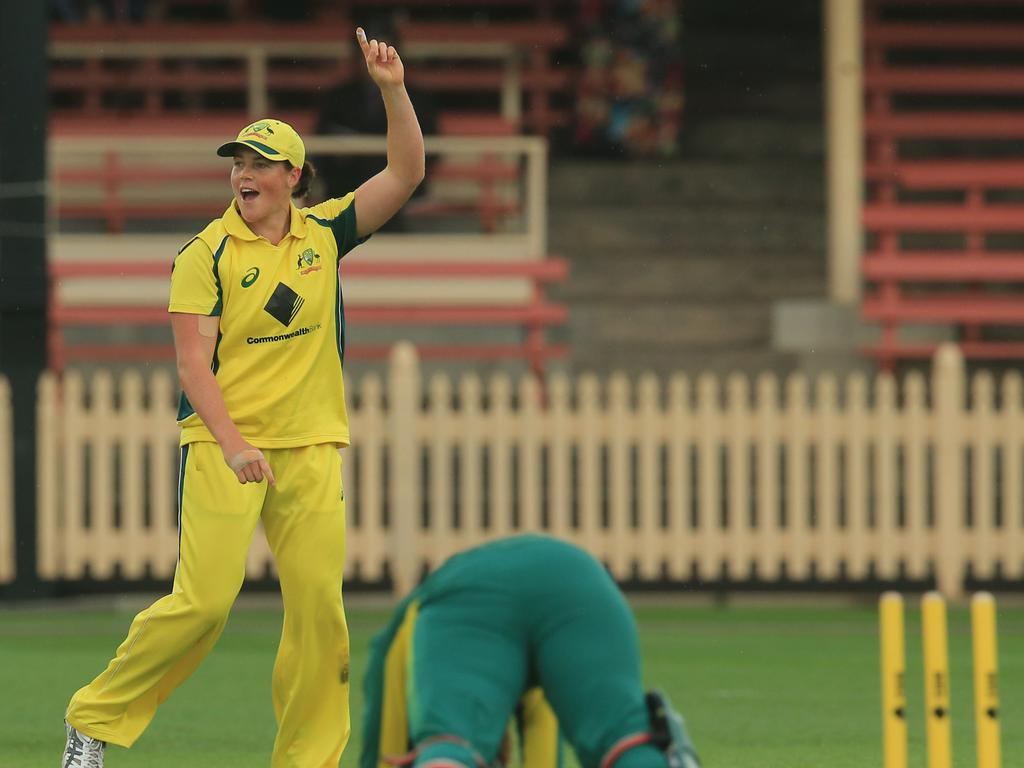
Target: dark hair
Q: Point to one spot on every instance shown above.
(305, 180)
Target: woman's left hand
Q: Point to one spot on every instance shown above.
(382, 61)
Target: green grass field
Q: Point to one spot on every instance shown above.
(765, 686)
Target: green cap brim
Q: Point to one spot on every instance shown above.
(228, 149)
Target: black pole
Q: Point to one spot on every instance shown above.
(24, 94)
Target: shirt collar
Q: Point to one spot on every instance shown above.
(235, 225)
(298, 226)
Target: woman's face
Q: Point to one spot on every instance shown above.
(262, 187)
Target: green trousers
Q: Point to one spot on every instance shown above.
(496, 621)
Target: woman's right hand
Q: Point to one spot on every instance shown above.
(382, 61)
(248, 463)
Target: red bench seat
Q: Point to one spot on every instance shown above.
(534, 315)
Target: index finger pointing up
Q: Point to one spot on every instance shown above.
(361, 39)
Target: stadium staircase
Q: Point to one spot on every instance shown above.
(677, 265)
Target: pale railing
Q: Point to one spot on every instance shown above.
(7, 545)
(798, 480)
(257, 56)
(522, 237)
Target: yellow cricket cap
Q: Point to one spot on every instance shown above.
(273, 139)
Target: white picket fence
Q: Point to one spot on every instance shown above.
(684, 480)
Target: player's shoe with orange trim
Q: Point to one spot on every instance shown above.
(82, 751)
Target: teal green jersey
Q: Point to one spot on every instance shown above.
(491, 625)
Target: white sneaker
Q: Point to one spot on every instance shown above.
(82, 751)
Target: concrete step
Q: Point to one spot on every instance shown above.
(737, 68)
(635, 358)
(672, 324)
(702, 182)
(753, 56)
(756, 101)
(777, 21)
(746, 138)
(753, 59)
(688, 231)
(703, 278)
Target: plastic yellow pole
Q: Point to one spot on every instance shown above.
(894, 695)
(936, 681)
(986, 692)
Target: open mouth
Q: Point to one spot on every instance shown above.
(248, 194)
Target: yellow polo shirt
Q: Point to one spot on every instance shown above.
(281, 344)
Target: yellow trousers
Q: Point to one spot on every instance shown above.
(304, 519)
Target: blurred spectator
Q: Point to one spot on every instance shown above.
(630, 94)
(354, 107)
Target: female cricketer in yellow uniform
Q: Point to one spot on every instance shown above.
(256, 311)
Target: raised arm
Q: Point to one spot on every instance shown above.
(380, 197)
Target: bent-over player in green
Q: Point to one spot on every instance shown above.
(485, 634)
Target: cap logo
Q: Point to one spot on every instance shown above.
(259, 130)
(271, 138)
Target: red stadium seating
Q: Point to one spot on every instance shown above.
(191, 80)
(111, 203)
(944, 221)
(113, 69)
(533, 316)
(115, 207)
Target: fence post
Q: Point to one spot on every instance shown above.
(403, 472)
(844, 66)
(48, 476)
(8, 569)
(948, 471)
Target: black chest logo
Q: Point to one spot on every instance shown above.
(284, 304)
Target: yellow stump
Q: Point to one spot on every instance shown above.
(894, 695)
(986, 693)
(936, 681)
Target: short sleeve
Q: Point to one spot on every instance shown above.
(195, 284)
(339, 214)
